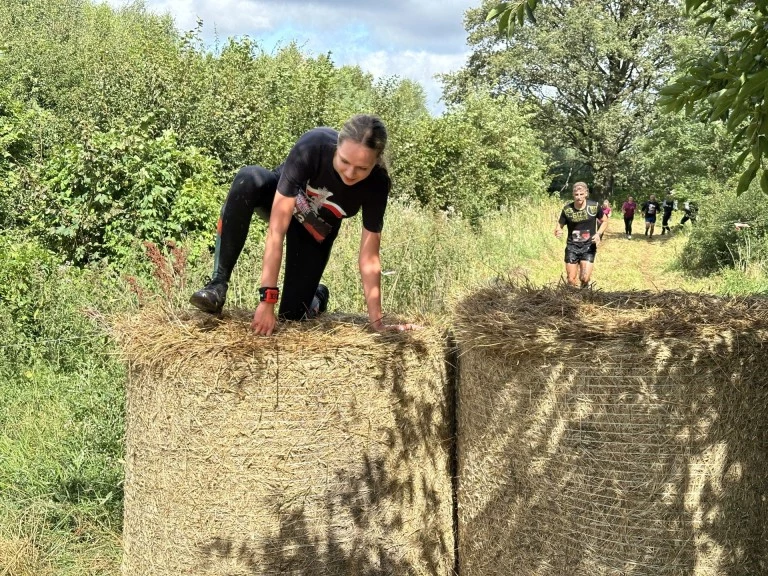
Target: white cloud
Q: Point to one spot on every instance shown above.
(419, 66)
(408, 38)
(227, 17)
(404, 23)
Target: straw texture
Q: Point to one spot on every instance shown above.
(322, 450)
(612, 433)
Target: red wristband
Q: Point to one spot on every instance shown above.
(269, 295)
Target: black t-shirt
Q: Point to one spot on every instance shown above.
(650, 208)
(322, 198)
(582, 224)
(668, 206)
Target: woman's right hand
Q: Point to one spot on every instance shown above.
(264, 319)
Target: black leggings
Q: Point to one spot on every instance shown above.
(253, 190)
(628, 226)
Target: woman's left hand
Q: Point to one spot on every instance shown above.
(381, 327)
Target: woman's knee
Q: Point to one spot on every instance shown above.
(294, 310)
(253, 187)
(254, 178)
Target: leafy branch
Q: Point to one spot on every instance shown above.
(731, 83)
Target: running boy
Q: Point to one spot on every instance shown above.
(581, 217)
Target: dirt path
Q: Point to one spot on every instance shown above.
(642, 263)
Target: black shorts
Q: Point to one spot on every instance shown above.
(651, 219)
(575, 253)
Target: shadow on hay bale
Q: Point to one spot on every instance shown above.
(322, 450)
(612, 433)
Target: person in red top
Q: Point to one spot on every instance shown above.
(328, 176)
(628, 210)
(606, 212)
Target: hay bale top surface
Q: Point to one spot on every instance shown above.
(156, 336)
(524, 318)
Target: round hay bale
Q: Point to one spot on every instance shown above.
(612, 433)
(321, 450)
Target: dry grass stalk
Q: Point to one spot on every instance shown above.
(612, 434)
(20, 557)
(322, 450)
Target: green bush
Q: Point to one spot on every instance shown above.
(44, 306)
(479, 157)
(24, 270)
(16, 143)
(113, 188)
(715, 242)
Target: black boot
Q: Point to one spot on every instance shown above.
(211, 298)
(319, 302)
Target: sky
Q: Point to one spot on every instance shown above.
(406, 38)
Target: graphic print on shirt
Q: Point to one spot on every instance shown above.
(580, 235)
(582, 223)
(308, 205)
(574, 215)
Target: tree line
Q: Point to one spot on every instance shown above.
(116, 127)
(634, 59)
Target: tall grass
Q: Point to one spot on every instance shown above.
(747, 277)
(61, 421)
(428, 259)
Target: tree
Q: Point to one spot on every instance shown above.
(683, 154)
(727, 81)
(480, 156)
(592, 69)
